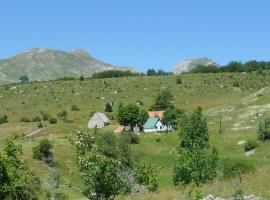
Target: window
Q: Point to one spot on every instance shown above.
(160, 127)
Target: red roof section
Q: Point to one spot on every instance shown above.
(158, 114)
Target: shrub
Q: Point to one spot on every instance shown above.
(106, 143)
(40, 125)
(52, 120)
(62, 115)
(158, 140)
(36, 119)
(264, 130)
(108, 107)
(251, 145)
(236, 84)
(145, 175)
(3, 119)
(75, 108)
(43, 150)
(232, 167)
(25, 119)
(45, 116)
(178, 80)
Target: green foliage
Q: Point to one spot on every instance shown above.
(163, 101)
(36, 119)
(40, 125)
(194, 152)
(128, 114)
(232, 167)
(101, 177)
(3, 119)
(151, 72)
(52, 120)
(17, 181)
(62, 115)
(236, 84)
(264, 130)
(251, 144)
(133, 137)
(114, 73)
(142, 117)
(25, 119)
(172, 116)
(75, 108)
(106, 144)
(124, 151)
(24, 79)
(145, 175)
(81, 78)
(193, 192)
(45, 116)
(233, 66)
(108, 107)
(178, 80)
(43, 150)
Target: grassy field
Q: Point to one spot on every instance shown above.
(213, 92)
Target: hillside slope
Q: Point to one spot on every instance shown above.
(215, 93)
(48, 64)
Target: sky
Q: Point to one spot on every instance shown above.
(143, 33)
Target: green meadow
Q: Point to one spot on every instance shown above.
(239, 100)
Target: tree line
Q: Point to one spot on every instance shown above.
(233, 66)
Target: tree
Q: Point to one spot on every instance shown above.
(128, 114)
(172, 115)
(108, 107)
(101, 175)
(196, 159)
(17, 181)
(102, 179)
(151, 72)
(163, 101)
(142, 118)
(160, 72)
(24, 79)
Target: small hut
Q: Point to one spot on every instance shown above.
(98, 120)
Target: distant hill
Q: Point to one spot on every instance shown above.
(48, 64)
(188, 65)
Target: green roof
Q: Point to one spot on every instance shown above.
(151, 123)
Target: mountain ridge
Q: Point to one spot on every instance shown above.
(42, 64)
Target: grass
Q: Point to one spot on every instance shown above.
(214, 92)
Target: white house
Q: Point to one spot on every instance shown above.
(98, 120)
(154, 124)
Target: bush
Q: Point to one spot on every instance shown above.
(178, 80)
(43, 150)
(251, 145)
(3, 119)
(236, 84)
(45, 116)
(40, 125)
(106, 143)
(232, 167)
(108, 107)
(25, 119)
(264, 130)
(145, 175)
(62, 115)
(158, 140)
(52, 120)
(75, 108)
(36, 119)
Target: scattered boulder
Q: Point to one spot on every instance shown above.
(250, 153)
